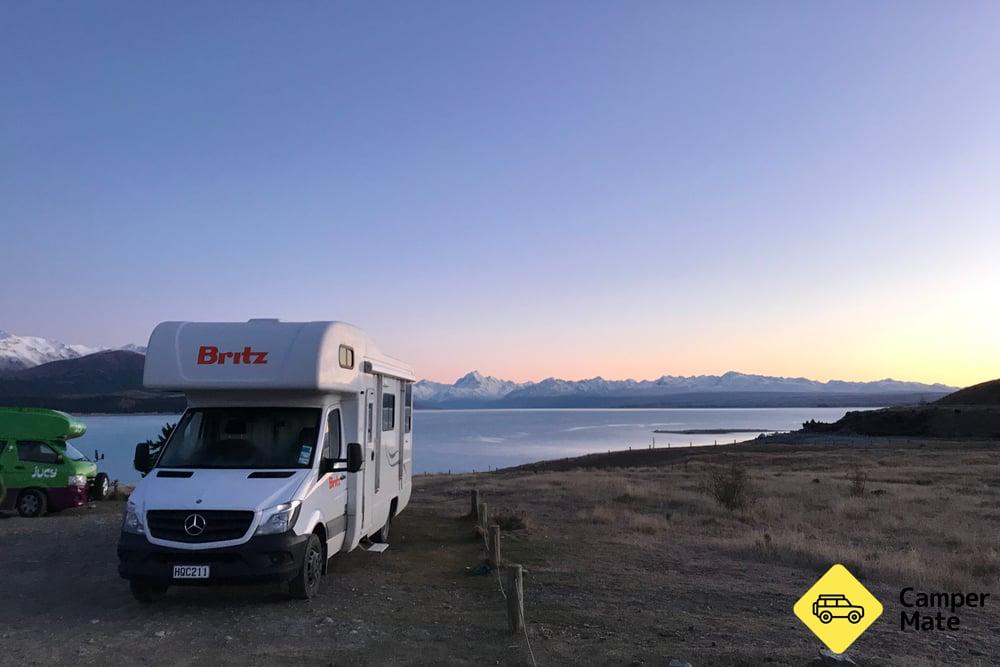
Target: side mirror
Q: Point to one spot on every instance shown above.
(59, 459)
(143, 461)
(355, 457)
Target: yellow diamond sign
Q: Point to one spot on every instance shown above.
(838, 609)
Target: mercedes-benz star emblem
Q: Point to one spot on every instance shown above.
(194, 525)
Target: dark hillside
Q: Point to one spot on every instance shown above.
(973, 412)
(984, 393)
(103, 382)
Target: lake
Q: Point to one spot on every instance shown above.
(466, 440)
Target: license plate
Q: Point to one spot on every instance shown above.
(190, 571)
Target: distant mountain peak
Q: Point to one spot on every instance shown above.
(470, 379)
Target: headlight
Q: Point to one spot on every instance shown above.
(132, 522)
(77, 480)
(279, 519)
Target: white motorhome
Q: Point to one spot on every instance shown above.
(296, 445)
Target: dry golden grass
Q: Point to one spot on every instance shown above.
(510, 519)
(905, 518)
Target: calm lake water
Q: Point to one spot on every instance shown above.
(466, 440)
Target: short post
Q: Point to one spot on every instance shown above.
(475, 504)
(494, 546)
(515, 599)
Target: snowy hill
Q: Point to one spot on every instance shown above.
(19, 352)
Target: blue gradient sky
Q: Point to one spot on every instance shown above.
(569, 189)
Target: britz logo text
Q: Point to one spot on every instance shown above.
(209, 354)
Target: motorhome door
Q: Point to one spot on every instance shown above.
(369, 443)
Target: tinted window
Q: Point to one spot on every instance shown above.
(388, 411)
(408, 407)
(36, 452)
(346, 356)
(371, 421)
(331, 445)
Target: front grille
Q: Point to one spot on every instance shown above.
(219, 525)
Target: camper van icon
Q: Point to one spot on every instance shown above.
(828, 607)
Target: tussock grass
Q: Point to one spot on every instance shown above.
(906, 519)
(510, 519)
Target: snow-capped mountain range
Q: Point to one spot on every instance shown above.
(475, 390)
(475, 387)
(18, 352)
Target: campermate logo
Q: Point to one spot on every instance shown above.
(209, 354)
(838, 609)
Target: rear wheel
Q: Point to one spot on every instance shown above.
(32, 503)
(147, 592)
(382, 534)
(825, 616)
(305, 585)
(102, 485)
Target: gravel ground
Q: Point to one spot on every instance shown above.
(627, 562)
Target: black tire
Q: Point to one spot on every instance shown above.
(825, 617)
(382, 534)
(306, 583)
(32, 503)
(854, 617)
(102, 486)
(146, 592)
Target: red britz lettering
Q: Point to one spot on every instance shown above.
(209, 354)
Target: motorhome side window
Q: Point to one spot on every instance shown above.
(243, 437)
(388, 411)
(408, 407)
(331, 447)
(36, 452)
(346, 356)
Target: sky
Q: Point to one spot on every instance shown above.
(566, 189)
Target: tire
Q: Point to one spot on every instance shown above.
(32, 503)
(102, 486)
(306, 583)
(825, 617)
(854, 617)
(382, 534)
(146, 592)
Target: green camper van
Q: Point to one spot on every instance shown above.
(39, 470)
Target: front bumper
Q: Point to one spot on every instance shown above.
(65, 497)
(262, 558)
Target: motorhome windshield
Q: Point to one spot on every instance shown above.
(72, 453)
(243, 437)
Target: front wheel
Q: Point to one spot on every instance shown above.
(305, 585)
(32, 503)
(102, 485)
(146, 592)
(854, 617)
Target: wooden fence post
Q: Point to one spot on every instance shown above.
(482, 517)
(474, 512)
(515, 598)
(494, 557)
